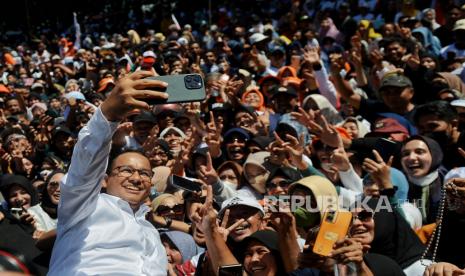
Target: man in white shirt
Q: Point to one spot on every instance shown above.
(107, 233)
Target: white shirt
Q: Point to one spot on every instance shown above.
(43, 221)
(99, 234)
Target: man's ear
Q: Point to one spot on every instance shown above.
(105, 181)
(454, 123)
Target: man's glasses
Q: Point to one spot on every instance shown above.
(364, 216)
(176, 209)
(126, 172)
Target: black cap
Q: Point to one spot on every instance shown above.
(395, 80)
(62, 129)
(145, 116)
(283, 90)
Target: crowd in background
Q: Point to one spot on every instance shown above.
(326, 98)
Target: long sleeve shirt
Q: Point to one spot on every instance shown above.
(99, 234)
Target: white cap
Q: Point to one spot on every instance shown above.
(257, 37)
(149, 54)
(177, 130)
(459, 25)
(458, 103)
(241, 200)
(37, 85)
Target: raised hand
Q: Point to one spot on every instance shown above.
(224, 229)
(295, 150)
(340, 159)
(305, 118)
(311, 55)
(328, 133)
(380, 171)
(213, 138)
(207, 173)
(129, 93)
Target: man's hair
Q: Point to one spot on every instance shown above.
(116, 153)
(394, 39)
(442, 109)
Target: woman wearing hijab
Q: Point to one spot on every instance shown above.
(430, 43)
(429, 16)
(255, 99)
(181, 250)
(391, 237)
(257, 169)
(355, 128)
(260, 254)
(319, 102)
(45, 213)
(363, 230)
(328, 29)
(421, 159)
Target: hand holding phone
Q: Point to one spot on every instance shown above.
(181, 88)
(334, 227)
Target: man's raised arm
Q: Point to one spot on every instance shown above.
(79, 192)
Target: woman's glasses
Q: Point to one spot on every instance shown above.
(363, 216)
(177, 209)
(282, 184)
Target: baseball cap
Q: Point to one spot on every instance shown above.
(395, 80)
(459, 25)
(389, 127)
(241, 201)
(286, 90)
(62, 129)
(458, 103)
(257, 37)
(145, 116)
(237, 130)
(37, 85)
(277, 50)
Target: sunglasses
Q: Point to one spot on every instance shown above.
(54, 184)
(282, 184)
(363, 216)
(177, 209)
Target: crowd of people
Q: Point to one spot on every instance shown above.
(361, 102)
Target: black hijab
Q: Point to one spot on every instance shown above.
(270, 240)
(394, 237)
(434, 148)
(10, 180)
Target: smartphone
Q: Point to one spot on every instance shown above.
(16, 212)
(181, 88)
(230, 270)
(185, 184)
(334, 227)
(386, 148)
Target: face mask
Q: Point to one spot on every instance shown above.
(327, 166)
(258, 182)
(305, 218)
(229, 184)
(441, 137)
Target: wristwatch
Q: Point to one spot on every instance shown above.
(168, 222)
